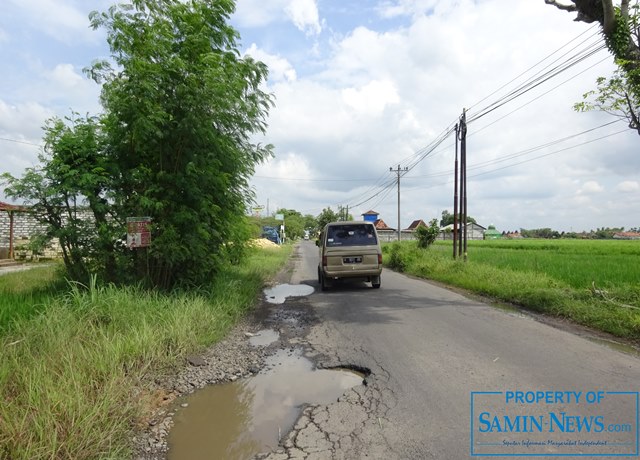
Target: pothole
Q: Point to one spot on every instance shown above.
(264, 337)
(243, 418)
(278, 294)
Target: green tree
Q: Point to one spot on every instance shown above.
(427, 234)
(293, 223)
(310, 223)
(181, 108)
(327, 215)
(72, 182)
(621, 29)
(615, 97)
(343, 214)
(546, 233)
(447, 219)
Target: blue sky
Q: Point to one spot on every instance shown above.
(361, 86)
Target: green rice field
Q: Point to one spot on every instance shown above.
(592, 282)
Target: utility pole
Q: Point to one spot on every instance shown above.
(463, 177)
(455, 199)
(460, 199)
(398, 172)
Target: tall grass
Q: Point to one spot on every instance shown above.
(26, 293)
(594, 283)
(72, 378)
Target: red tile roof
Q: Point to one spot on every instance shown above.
(415, 224)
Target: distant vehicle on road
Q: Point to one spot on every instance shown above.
(349, 250)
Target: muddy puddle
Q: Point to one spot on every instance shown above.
(264, 337)
(278, 294)
(240, 419)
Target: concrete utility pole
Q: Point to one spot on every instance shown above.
(398, 171)
(460, 199)
(455, 198)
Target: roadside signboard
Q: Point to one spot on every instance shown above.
(138, 232)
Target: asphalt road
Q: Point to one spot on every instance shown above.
(428, 349)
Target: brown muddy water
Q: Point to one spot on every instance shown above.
(264, 338)
(240, 419)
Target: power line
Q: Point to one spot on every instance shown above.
(314, 180)
(551, 153)
(19, 142)
(539, 96)
(535, 82)
(577, 54)
(535, 65)
(518, 154)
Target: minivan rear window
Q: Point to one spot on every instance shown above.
(351, 235)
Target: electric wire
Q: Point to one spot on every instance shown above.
(534, 83)
(517, 154)
(19, 142)
(536, 98)
(572, 57)
(534, 66)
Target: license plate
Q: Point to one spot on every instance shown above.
(352, 260)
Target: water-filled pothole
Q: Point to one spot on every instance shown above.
(264, 337)
(278, 294)
(248, 416)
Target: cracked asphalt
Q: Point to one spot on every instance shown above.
(427, 348)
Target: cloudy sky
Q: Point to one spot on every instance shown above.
(364, 86)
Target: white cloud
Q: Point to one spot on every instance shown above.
(23, 122)
(64, 76)
(64, 20)
(367, 88)
(258, 13)
(395, 8)
(628, 186)
(371, 98)
(304, 15)
(279, 68)
(591, 187)
(64, 88)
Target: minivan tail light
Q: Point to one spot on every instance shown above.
(324, 261)
(379, 259)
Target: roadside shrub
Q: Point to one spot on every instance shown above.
(396, 260)
(427, 235)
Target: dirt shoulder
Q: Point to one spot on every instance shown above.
(230, 359)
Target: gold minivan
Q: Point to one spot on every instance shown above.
(349, 250)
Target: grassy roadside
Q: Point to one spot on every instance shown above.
(26, 293)
(591, 283)
(72, 374)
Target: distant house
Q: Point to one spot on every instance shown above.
(512, 235)
(382, 225)
(491, 233)
(414, 225)
(474, 232)
(370, 216)
(7, 234)
(626, 236)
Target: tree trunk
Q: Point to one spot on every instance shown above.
(616, 30)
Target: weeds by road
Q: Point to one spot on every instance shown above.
(593, 283)
(72, 371)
